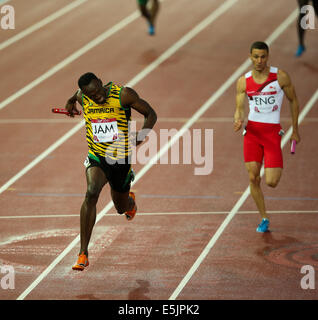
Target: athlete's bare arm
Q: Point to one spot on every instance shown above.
(240, 99)
(289, 90)
(71, 103)
(130, 98)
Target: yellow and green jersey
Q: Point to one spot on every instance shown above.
(107, 125)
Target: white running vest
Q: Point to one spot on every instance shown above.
(265, 100)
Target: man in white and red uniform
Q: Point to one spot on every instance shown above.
(265, 88)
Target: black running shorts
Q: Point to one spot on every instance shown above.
(118, 175)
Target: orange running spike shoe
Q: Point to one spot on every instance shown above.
(131, 214)
(81, 263)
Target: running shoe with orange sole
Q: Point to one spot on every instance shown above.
(131, 214)
(81, 263)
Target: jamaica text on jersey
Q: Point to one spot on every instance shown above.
(107, 125)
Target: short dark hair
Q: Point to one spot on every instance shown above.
(259, 45)
(85, 79)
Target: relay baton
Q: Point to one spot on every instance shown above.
(64, 111)
(293, 147)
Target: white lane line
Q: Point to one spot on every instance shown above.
(98, 40)
(41, 216)
(43, 120)
(41, 23)
(235, 209)
(184, 40)
(160, 119)
(215, 96)
(225, 6)
(145, 214)
(40, 157)
(123, 23)
(102, 212)
(277, 32)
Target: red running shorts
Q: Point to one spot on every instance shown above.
(262, 141)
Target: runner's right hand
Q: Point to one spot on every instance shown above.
(238, 125)
(71, 108)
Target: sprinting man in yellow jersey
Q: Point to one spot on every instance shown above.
(149, 12)
(107, 112)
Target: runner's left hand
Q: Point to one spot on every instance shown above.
(238, 125)
(295, 136)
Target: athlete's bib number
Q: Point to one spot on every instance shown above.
(265, 104)
(104, 130)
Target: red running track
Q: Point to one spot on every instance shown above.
(179, 212)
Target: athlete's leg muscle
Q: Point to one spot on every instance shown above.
(272, 176)
(122, 201)
(96, 180)
(254, 169)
